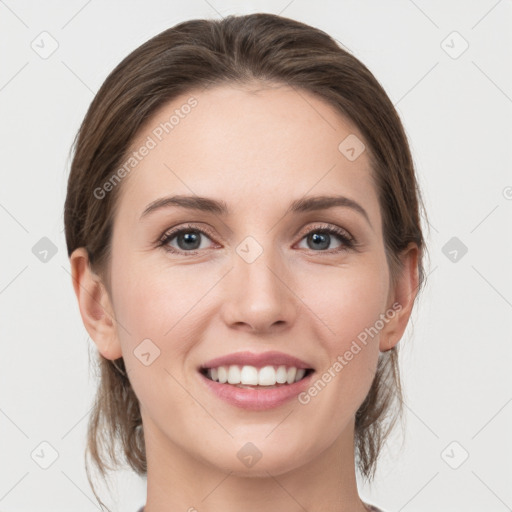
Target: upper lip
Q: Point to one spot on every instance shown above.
(260, 360)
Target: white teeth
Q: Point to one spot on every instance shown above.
(222, 374)
(300, 374)
(267, 376)
(249, 375)
(234, 375)
(281, 375)
(290, 375)
(252, 376)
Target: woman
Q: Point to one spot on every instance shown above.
(257, 368)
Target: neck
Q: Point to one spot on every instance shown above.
(178, 481)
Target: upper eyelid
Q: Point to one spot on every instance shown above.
(174, 231)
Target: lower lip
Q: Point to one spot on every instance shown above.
(257, 399)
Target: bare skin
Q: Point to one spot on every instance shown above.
(258, 151)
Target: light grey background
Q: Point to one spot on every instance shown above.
(456, 108)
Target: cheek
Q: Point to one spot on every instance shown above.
(159, 302)
(140, 300)
(155, 306)
(348, 301)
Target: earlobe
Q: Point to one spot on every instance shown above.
(95, 305)
(401, 299)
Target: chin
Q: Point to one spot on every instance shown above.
(251, 461)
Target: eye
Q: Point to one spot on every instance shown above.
(188, 239)
(320, 237)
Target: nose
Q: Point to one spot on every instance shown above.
(259, 296)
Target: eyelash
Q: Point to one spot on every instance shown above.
(349, 243)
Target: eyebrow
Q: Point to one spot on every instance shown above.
(219, 207)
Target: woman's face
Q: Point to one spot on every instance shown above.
(260, 276)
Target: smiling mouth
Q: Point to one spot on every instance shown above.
(267, 377)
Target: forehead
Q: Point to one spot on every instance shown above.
(256, 146)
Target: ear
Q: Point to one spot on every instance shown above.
(95, 305)
(401, 299)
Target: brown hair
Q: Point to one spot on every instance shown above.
(238, 49)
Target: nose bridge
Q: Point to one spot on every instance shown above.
(259, 294)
